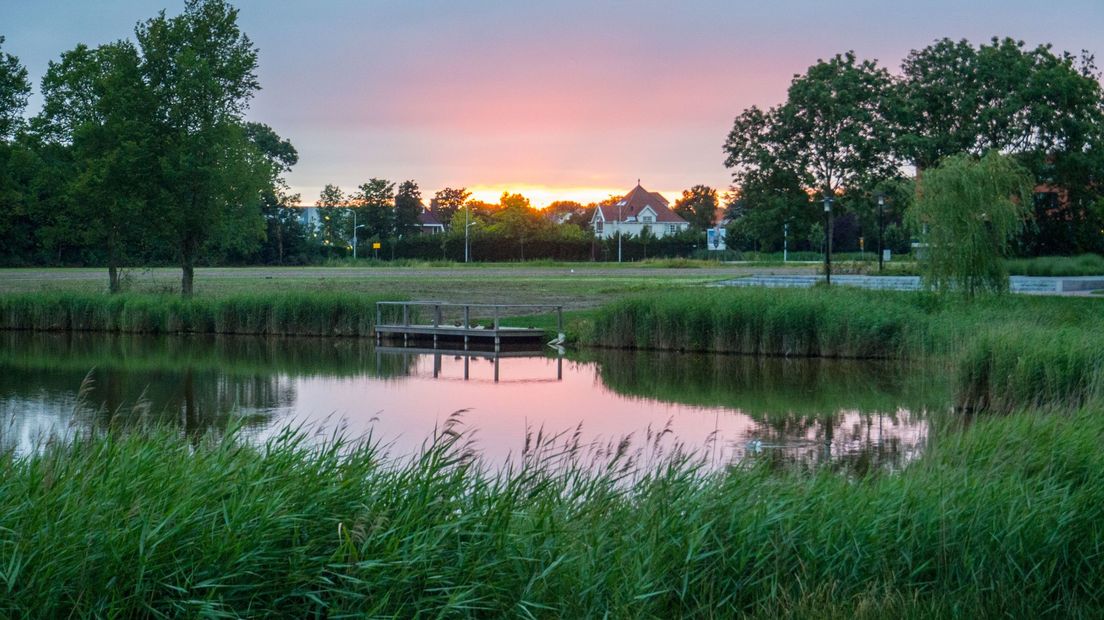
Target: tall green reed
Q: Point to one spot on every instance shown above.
(1004, 518)
(291, 313)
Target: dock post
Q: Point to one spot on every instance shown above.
(559, 319)
(467, 317)
(496, 369)
(498, 340)
(379, 320)
(406, 315)
(437, 315)
(466, 359)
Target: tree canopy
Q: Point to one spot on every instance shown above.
(698, 205)
(848, 127)
(14, 90)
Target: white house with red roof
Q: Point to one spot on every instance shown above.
(637, 210)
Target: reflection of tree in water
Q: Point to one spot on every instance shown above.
(197, 383)
(858, 415)
(850, 441)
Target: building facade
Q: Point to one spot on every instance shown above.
(639, 209)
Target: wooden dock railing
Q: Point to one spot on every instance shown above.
(439, 328)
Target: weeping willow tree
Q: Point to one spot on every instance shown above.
(967, 212)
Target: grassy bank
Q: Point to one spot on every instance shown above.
(1083, 265)
(270, 314)
(1004, 519)
(1006, 352)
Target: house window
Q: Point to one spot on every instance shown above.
(670, 229)
(598, 227)
(648, 219)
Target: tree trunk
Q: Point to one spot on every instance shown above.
(187, 265)
(280, 242)
(113, 285)
(113, 279)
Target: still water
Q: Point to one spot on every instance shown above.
(856, 415)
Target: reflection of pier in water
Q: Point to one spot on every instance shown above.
(494, 356)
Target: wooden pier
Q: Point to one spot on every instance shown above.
(469, 324)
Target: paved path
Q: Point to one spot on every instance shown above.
(359, 273)
(1083, 285)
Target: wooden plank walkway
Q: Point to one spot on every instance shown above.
(466, 327)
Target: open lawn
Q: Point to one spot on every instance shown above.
(575, 285)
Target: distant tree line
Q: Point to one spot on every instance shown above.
(851, 130)
(509, 230)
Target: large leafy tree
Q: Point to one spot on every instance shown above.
(448, 202)
(408, 205)
(96, 105)
(376, 201)
(833, 134)
(956, 98)
(201, 70)
(282, 223)
(767, 208)
(833, 131)
(1046, 108)
(698, 205)
(334, 219)
(15, 161)
(516, 219)
(967, 213)
(14, 90)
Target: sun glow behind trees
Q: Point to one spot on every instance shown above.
(543, 195)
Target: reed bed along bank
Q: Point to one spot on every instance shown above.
(283, 314)
(1005, 351)
(1003, 519)
(1082, 265)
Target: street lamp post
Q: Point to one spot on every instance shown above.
(881, 230)
(828, 238)
(355, 227)
(785, 242)
(467, 225)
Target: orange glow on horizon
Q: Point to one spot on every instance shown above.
(540, 196)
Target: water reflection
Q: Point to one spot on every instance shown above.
(854, 415)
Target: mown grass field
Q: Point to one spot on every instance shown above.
(573, 284)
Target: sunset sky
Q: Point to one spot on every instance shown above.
(557, 100)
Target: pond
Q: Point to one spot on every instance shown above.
(728, 409)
